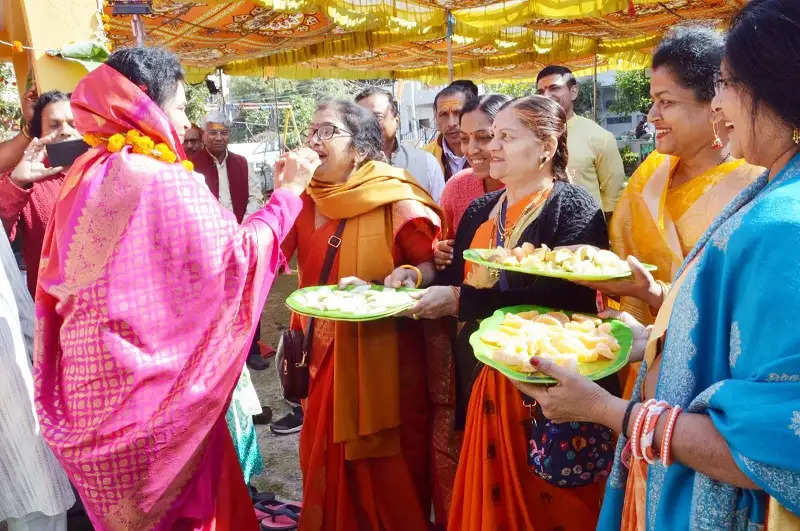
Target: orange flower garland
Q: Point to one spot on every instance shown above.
(141, 144)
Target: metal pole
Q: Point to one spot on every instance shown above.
(414, 122)
(594, 96)
(221, 85)
(281, 146)
(449, 38)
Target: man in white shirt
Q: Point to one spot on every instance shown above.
(226, 173)
(594, 160)
(420, 164)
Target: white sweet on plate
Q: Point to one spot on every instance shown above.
(355, 301)
(584, 260)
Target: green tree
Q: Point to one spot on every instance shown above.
(10, 112)
(302, 96)
(633, 92)
(513, 90)
(197, 97)
(583, 104)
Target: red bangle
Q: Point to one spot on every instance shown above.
(666, 442)
(648, 433)
(637, 428)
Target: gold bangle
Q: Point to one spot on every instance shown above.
(26, 131)
(415, 269)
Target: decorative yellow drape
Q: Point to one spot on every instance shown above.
(405, 39)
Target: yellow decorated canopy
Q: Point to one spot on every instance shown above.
(405, 39)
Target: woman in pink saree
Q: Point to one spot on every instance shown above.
(149, 293)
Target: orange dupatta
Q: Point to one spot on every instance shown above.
(366, 386)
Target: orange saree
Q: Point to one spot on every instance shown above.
(495, 488)
(365, 460)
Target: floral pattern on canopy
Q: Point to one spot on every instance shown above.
(405, 39)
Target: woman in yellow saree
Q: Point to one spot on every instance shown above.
(681, 187)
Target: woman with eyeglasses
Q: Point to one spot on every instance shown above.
(363, 446)
(713, 426)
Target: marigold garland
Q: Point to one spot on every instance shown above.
(140, 143)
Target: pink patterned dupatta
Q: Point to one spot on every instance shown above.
(149, 292)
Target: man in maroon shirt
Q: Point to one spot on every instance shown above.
(227, 175)
(28, 193)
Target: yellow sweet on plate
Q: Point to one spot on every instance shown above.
(566, 340)
(584, 260)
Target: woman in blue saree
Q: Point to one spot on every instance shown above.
(726, 344)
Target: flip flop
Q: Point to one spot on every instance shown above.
(276, 516)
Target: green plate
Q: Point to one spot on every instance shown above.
(294, 302)
(594, 370)
(477, 256)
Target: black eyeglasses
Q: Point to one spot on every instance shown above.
(722, 82)
(325, 132)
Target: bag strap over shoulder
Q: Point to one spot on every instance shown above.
(334, 242)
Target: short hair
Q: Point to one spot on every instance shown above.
(557, 70)
(693, 53)
(489, 104)
(44, 100)
(545, 117)
(460, 86)
(467, 85)
(217, 117)
(377, 91)
(761, 54)
(155, 70)
(366, 135)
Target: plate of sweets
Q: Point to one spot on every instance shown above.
(581, 262)
(508, 339)
(366, 302)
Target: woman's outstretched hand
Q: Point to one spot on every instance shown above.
(294, 170)
(433, 303)
(640, 284)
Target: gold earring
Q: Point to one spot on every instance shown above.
(796, 135)
(717, 143)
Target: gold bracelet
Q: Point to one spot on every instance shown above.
(415, 269)
(26, 131)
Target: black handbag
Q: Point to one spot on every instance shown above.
(294, 346)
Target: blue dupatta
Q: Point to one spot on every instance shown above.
(732, 351)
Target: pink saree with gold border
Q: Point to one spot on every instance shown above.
(149, 292)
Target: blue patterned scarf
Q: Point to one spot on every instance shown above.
(732, 351)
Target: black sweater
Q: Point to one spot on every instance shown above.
(570, 216)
